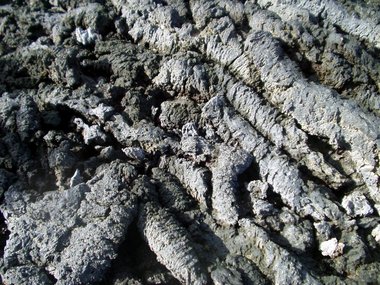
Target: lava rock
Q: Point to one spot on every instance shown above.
(189, 142)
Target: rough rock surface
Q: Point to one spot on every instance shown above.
(189, 142)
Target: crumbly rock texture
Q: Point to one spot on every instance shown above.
(189, 142)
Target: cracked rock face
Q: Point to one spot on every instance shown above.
(189, 142)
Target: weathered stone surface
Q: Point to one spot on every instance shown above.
(189, 142)
(72, 234)
(356, 204)
(171, 244)
(229, 164)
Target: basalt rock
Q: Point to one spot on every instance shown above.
(189, 142)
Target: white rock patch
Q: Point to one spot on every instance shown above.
(356, 204)
(376, 233)
(86, 37)
(331, 248)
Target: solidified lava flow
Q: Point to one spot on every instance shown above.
(189, 142)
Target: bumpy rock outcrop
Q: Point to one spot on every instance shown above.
(71, 235)
(190, 142)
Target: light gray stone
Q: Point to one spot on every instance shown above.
(356, 205)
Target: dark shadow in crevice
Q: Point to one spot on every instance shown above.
(303, 64)
(321, 145)
(65, 115)
(161, 2)
(4, 234)
(189, 14)
(136, 261)
(44, 177)
(208, 245)
(243, 196)
(243, 27)
(275, 198)
(94, 68)
(141, 78)
(250, 174)
(36, 31)
(307, 175)
(50, 276)
(373, 252)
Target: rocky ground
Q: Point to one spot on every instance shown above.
(190, 142)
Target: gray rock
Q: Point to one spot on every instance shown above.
(177, 113)
(62, 160)
(28, 121)
(292, 81)
(284, 135)
(73, 234)
(323, 229)
(194, 145)
(194, 178)
(134, 153)
(6, 179)
(376, 233)
(262, 208)
(335, 13)
(182, 74)
(229, 164)
(223, 275)
(271, 258)
(250, 274)
(356, 204)
(299, 236)
(19, 111)
(189, 142)
(272, 165)
(171, 245)
(92, 16)
(171, 192)
(91, 134)
(27, 274)
(102, 112)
